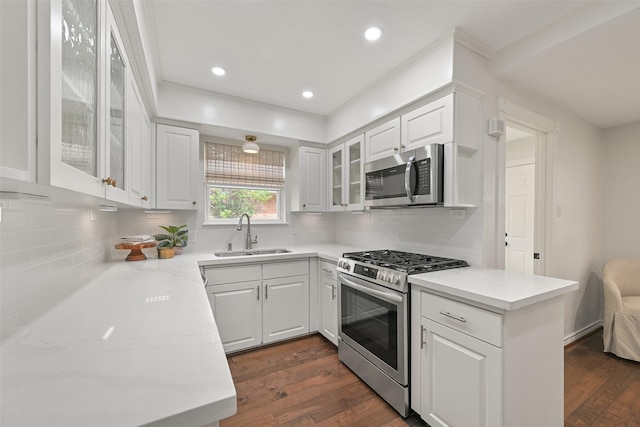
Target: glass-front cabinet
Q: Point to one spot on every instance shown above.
(83, 82)
(345, 175)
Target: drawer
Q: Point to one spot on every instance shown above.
(476, 322)
(285, 269)
(329, 270)
(225, 275)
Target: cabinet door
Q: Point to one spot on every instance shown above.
(461, 379)
(329, 310)
(312, 179)
(71, 93)
(139, 147)
(177, 174)
(429, 124)
(237, 310)
(117, 141)
(18, 90)
(382, 141)
(337, 191)
(286, 308)
(354, 173)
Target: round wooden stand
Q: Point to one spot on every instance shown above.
(136, 250)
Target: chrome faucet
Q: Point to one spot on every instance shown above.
(249, 242)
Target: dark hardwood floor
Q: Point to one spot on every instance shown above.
(302, 383)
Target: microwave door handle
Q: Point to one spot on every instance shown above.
(407, 179)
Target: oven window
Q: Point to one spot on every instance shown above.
(372, 323)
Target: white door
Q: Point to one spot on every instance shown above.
(461, 379)
(519, 218)
(237, 310)
(285, 313)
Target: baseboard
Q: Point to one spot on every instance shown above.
(582, 332)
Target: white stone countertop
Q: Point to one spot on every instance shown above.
(497, 289)
(136, 345)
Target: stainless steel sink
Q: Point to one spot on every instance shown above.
(251, 252)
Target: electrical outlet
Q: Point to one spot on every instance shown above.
(92, 215)
(457, 214)
(192, 236)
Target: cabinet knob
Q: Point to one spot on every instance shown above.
(109, 181)
(402, 146)
(193, 203)
(145, 198)
(395, 148)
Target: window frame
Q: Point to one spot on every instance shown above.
(282, 218)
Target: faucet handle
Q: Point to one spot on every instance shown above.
(255, 240)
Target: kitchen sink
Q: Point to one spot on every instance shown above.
(251, 252)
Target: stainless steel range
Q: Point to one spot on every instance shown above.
(373, 320)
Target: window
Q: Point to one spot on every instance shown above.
(240, 183)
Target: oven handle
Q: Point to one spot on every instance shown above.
(385, 296)
(407, 179)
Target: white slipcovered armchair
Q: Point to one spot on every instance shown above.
(621, 334)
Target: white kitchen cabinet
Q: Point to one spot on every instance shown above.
(459, 371)
(500, 366)
(329, 302)
(346, 172)
(285, 308)
(257, 304)
(237, 309)
(18, 90)
(178, 181)
(383, 140)
(309, 183)
(139, 136)
(430, 124)
(71, 95)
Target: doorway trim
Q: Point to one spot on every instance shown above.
(545, 147)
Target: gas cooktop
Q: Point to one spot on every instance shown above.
(407, 262)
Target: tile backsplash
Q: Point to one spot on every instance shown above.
(46, 250)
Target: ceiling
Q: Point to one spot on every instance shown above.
(274, 50)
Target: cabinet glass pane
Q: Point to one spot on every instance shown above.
(79, 85)
(116, 120)
(354, 152)
(337, 196)
(337, 159)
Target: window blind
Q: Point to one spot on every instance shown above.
(228, 164)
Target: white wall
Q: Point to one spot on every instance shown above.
(47, 250)
(621, 202)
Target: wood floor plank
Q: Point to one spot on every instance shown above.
(303, 383)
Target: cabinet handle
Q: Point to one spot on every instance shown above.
(145, 198)
(333, 292)
(109, 181)
(266, 292)
(258, 292)
(451, 316)
(422, 343)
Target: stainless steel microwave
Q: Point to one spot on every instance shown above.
(412, 178)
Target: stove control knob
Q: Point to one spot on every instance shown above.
(387, 277)
(396, 279)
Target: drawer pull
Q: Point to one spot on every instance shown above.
(451, 316)
(422, 343)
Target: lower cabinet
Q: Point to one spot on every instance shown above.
(257, 304)
(459, 371)
(472, 366)
(329, 302)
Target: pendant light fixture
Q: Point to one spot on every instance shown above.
(250, 147)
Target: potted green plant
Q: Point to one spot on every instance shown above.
(172, 242)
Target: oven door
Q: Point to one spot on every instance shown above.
(373, 321)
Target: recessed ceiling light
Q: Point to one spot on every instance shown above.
(373, 33)
(307, 94)
(218, 71)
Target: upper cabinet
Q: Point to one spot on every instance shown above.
(309, 183)
(178, 181)
(383, 140)
(18, 90)
(346, 169)
(453, 120)
(71, 95)
(90, 123)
